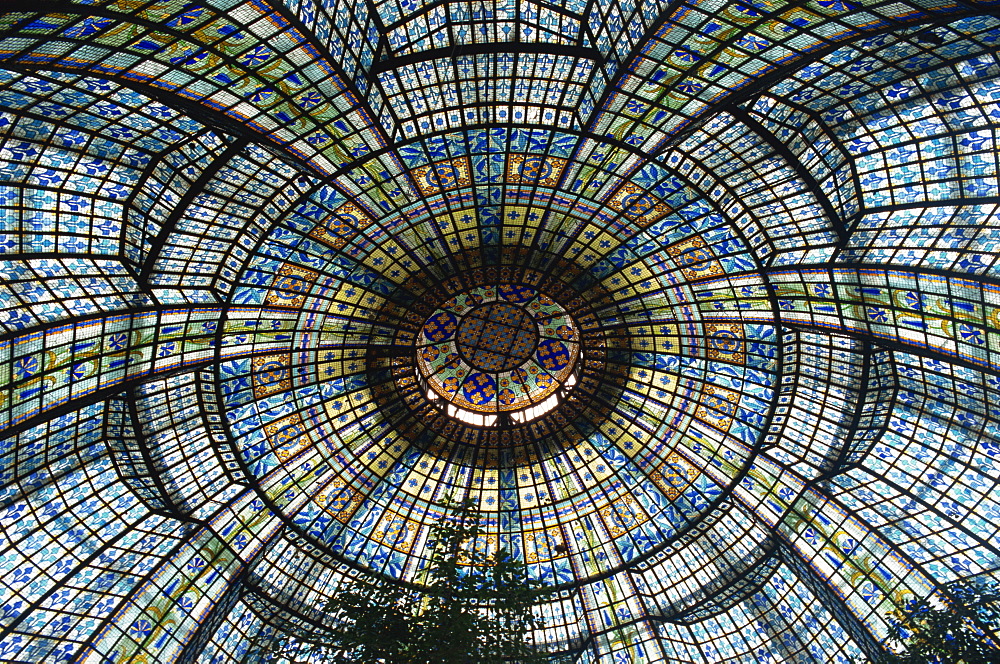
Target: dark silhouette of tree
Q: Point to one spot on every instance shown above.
(472, 606)
(963, 632)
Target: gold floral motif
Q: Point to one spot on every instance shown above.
(396, 531)
(288, 436)
(638, 205)
(442, 176)
(535, 169)
(546, 544)
(271, 374)
(717, 407)
(696, 260)
(290, 286)
(725, 342)
(623, 515)
(673, 475)
(339, 500)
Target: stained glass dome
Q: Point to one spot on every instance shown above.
(697, 301)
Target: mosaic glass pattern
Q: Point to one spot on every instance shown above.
(698, 302)
(502, 348)
(497, 337)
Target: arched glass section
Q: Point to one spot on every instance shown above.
(698, 302)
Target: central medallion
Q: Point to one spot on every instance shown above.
(498, 336)
(503, 348)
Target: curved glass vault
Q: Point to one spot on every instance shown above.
(698, 300)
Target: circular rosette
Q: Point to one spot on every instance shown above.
(544, 381)
(552, 355)
(480, 391)
(450, 386)
(564, 332)
(440, 327)
(497, 348)
(429, 354)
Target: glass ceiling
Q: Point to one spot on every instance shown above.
(699, 302)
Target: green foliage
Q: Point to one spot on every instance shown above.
(961, 633)
(474, 606)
